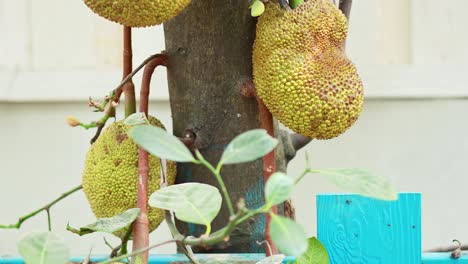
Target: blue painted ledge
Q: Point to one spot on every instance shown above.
(443, 258)
(167, 259)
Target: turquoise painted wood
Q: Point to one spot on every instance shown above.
(357, 229)
(443, 258)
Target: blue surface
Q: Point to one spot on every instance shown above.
(357, 229)
(166, 259)
(443, 258)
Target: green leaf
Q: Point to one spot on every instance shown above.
(288, 236)
(257, 8)
(159, 143)
(191, 202)
(109, 225)
(43, 248)
(278, 188)
(295, 3)
(136, 119)
(275, 259)
(316, 253)
(361, 182)
(249, 146)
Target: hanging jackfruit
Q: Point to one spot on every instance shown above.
(137, 13)
(110, 176)
(301, 71)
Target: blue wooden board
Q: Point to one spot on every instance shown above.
(443, 258)
(357, 229)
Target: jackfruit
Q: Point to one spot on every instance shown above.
(137, 13)
(301, 71)
(110, 176)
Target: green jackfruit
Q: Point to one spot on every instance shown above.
(110, 176)
(301, 71)
(137, 13)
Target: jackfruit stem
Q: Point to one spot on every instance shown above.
(129, 88)
(269, 167)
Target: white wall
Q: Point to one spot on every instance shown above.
(411, 54)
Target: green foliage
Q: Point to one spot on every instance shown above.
(278, 188)
(288, 236)
(43, 248)
(248, 146)
(200, 203)
(316, 253)
(109, 225)
(136, 119)
(257, 8)
(159, 143)
(191, 202)
(295, 3)
(361, 182)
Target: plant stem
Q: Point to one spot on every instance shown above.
(129, 88)
(269, 166)
(158, 60)
(49, 223)
(118, 90)
(179, 237)
(216, 173)
(46, 207)
(304, 173)
(137, 252)
(141, 225)
(123, 246)
(216, 237)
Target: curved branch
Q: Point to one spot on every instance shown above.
(141, 225)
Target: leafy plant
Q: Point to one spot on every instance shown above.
(200, 203)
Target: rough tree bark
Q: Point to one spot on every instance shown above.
(209, 47)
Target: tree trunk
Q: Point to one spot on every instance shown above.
(209, 47)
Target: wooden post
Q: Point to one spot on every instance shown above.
(357, 229)
(209, 46)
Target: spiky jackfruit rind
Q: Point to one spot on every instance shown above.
(301, 71)
(137, 13)
(110, 176)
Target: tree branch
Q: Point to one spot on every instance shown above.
(46, 208)
(141, 224)
(269, 167)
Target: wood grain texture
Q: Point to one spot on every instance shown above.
(356, 229)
